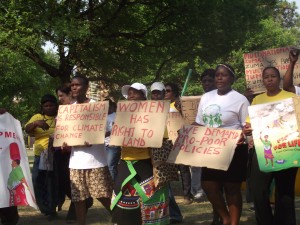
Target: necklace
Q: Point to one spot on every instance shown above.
(52, 120)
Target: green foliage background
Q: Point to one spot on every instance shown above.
(125, 41)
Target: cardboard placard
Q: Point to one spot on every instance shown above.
(174, 123)
(189, 107)
(16, 182)
(140, 124)
(255, 62)
(80, 123)
(276, 135)
(204, 147)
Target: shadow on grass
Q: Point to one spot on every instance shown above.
(96, 215)
(196, 213)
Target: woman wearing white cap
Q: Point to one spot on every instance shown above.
(135, 199)
(158, 92)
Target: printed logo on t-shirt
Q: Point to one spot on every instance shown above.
(212, 116)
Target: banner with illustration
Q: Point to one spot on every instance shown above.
(15, 179)
(204, 147)
(255, 62)
(140, 123)
(275, 134)
(189, 108)
(80, 123)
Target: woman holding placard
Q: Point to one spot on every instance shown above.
(225, 108)
(284, 213)
(135, 199)
(61, 163)
(89, 174)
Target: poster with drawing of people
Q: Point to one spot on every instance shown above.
(15, 178)
(275, 134)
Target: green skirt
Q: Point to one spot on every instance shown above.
(135, 198)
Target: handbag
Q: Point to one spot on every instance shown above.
(46, 157)
(163, 171)
(46, 161)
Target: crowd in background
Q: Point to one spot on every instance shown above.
(121, 178)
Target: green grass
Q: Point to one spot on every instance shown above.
(195, 213)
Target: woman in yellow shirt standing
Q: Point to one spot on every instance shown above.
(41, 126)
(284, 212)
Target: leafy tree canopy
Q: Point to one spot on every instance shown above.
(22, 84)
(124, 41)
(113, 40)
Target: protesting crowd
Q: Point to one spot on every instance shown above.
(132, 182)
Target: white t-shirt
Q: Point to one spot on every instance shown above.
(83, 157)
(297, 90)
(173, 110)
(225, 111)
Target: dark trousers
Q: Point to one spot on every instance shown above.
(249, 197)
(9, 215)
(186, 180)
(43, 185)
(284, 213)
(175, 212)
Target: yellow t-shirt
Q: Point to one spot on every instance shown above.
(132, 153)
(172, 107)
(41, 136)
(264, 98)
